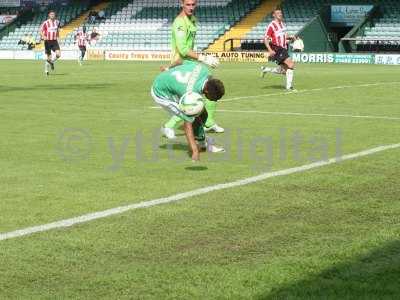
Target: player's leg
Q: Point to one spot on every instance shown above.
(173, 109)
(279, 57)
(55, 47)
(47, 63)
(79, 56)
(289, 64)
(278, 70)
(198, 129)
(210, 124)
(200, 134)
(58, 53)
(172, 124)
(82, 52)
(198, 124)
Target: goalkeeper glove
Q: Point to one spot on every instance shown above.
(209, 60)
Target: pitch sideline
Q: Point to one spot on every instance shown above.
(309, 114)
(175, 198)
(310, 90)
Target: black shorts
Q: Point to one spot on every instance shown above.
(51, 46)
(281, 54)
(82, 48)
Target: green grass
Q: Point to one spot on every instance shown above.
(326, 233)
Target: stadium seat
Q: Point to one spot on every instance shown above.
(298, 14)
(386, 26)
(65, 14)
(145, 24)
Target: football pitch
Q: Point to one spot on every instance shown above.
(305, 203)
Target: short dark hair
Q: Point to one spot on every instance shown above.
(215, 89)
(51, 11)
(276, 9)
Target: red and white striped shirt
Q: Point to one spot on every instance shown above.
(50, 29)
(82, 39)
(276, 32)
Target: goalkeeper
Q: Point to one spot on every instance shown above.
(184, 31)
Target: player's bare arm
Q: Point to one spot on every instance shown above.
(194, 150)
(42, 34)
(176, 63)
(267, 44)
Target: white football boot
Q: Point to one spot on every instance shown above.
(169, 133)
(215, 128)
(208, 145)
(264, 70)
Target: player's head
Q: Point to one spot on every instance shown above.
(52, 14)
(277, 14)
(214, 89)
(189, 6)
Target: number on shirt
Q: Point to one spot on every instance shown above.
(182, 77)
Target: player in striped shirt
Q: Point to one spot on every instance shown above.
(49, 31)
(82, 39)
(276, 40)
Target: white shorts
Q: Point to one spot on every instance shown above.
(169, 105)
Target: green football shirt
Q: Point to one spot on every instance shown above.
(184, 31)
(173, 84)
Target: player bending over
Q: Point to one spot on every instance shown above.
(276, 41)
(49, 31)
(169, 87)
(82, 39)
(184, 31)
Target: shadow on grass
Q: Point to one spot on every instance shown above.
(196, 168)
(179, 147)
(373, 276)
(46, 87)
(274, 87)
(59, 74)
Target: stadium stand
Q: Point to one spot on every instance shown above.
(384, 35)
(6, 13)
(65, 14)
(232, 38)
(298, 14)
(146, 25)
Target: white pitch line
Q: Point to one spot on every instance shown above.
(281, 113)
(201, 191)
(309, 114)
(309, 90)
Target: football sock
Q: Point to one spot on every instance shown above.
(278, 70)
(198, 127)
(211, 107)
(198, 131)
(54, 59)
(289, 78)
(174, 122)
